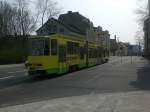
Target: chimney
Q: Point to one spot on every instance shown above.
(69, 12)
(115, 38)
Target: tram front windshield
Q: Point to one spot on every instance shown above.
(40, 47)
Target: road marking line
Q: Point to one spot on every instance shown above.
(16, 72)
(6, 77)
(11, 66)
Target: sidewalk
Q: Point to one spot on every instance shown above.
(116, 102)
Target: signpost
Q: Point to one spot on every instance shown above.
(131, 49)
(149, 14)
(121, 48)
(149, 9)
(131, 58)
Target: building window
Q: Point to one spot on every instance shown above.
(54, 28)
(61, 30)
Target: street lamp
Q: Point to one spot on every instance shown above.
(149, 8)
(149, 11)
(148, 23)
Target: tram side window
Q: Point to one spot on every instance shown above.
(104, 53)
(72, 48)
(62, 53)
(46, 49)
(96, 53)
(99, 53)
(53, 47)
(76, 48)
(90, 53)
(93, 53)
(69, 48)
(82, 53)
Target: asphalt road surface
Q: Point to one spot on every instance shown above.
(113, 77)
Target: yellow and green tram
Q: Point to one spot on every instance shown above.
(58, 54)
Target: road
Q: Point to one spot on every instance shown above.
(7, 71)
(113, 77)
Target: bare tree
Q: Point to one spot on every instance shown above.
(47, 9)
(53, 11)
(24, 18)
(142, 15)
(6, 15)
(16, 19)
(139, 37)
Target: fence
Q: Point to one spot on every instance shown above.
(13, 49)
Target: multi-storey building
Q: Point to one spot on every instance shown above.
(147, 38)
(71, 23)
(113, 46)
(102, 37)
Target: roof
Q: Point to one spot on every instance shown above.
(71, 28)
(76, 22)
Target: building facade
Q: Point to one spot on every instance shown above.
(102, 37)
(71, 23)
(52, 26)
(113, 46)
(147, 38)
(76, 22)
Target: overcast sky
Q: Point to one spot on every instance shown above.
(116, 16)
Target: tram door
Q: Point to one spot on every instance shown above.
(98, 55)
(87, 53)
(62, 58)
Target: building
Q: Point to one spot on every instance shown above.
(122, 49)
(102, 37)
(134, 50)
(106, 40)
(52, 26)
(147, 38)
(113, 46)
(98, 34)
(71, 23)
(74, 24)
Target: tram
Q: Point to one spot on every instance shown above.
(58, 54)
